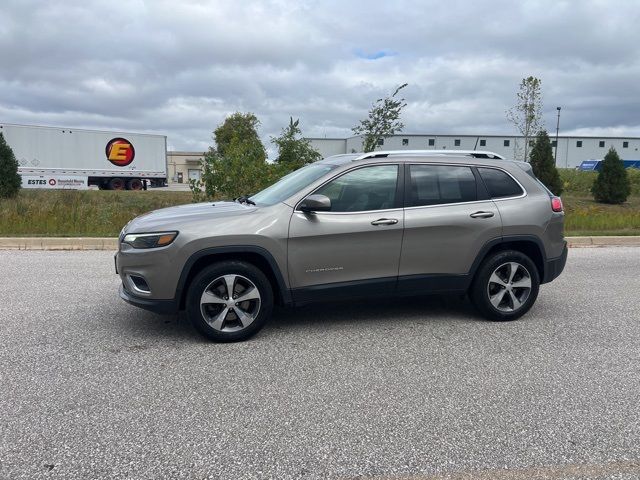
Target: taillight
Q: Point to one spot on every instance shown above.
(556, 204)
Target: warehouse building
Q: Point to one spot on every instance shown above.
(182, 166)
(571, 151)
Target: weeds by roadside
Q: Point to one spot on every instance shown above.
(74, 213)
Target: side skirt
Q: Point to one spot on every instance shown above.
(436, 283)
(382, 287)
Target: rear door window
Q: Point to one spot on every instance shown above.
(440, 184)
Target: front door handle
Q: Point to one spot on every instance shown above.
(385, 221)
(481, 215)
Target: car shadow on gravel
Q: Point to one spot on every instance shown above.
(149, 327)
(398, 310)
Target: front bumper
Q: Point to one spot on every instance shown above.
(554, 267)
(156, 306)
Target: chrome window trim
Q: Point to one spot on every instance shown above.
(524, 194)
(357, 167)
(409, 164)
(448, 204)
(398, 209)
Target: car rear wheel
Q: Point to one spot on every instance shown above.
(229, 301)
(506, 286)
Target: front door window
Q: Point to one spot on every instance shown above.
(364, 189)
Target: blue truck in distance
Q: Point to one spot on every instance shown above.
(596, 165)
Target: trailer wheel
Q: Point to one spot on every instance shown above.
(116, 184)
(134, 184)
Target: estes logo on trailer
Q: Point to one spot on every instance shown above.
(120, 152)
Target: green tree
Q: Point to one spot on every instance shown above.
(612, 184)
(526, 115)
(383, 120)
(543, 164)
(237, 166)
(293, 150)
(241, 125)
(10, 181)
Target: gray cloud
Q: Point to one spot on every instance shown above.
(178, 68)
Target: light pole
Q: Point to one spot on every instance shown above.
(555, 155)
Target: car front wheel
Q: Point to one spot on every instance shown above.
(229, 301)
(506, 286)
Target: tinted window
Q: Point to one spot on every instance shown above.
(483, 143)
(506, 143)
(499, 184)
(439, 184)
(369, 188)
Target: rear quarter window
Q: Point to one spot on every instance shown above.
(499, 184)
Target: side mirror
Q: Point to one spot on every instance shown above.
(315, 203)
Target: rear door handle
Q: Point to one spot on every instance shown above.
(481, 215)
(385, 221)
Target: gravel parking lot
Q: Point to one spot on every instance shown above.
(91, 387)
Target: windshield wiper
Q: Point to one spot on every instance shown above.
(244, 199)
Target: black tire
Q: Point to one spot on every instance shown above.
(482, 287)
(134, 184)
(116, 184)
(204, 279)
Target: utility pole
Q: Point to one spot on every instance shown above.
(555, 155)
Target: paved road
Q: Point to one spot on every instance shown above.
(93, 388)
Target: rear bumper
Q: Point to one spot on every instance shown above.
(554, 267)
(156, 306)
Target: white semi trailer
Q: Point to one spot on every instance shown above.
(58, 157)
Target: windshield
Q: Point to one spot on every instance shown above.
(292, 183)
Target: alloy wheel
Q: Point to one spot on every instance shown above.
(509, 287)
(230, 303)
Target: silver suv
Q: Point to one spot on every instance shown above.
(383, 223)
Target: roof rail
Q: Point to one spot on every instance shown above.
(434, 153)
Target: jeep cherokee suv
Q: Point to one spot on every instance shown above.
(399, 223)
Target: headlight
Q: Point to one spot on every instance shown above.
(149, 240)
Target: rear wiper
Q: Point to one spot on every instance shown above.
(244, 199)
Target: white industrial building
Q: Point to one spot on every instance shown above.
(571, 150)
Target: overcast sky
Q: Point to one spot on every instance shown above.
(179, 67)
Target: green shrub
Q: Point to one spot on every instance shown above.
(612, 185)
(580, 183)
(543, 164)
(10, 181)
